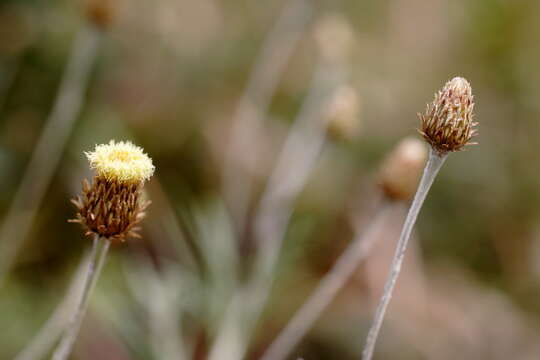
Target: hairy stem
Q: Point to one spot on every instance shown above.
(97, 259)
(433, 166)
(327, 289)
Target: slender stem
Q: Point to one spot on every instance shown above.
(328, 287)
(303, 144)
(250, 113)
(49, 148)
(294, 165)
(97, 259)
(433, 166)
(57, 322)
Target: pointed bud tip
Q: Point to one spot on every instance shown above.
(460, 83)
(460, 86)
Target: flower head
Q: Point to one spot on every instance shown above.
(121, 161)
(447, 124)
(111, 206)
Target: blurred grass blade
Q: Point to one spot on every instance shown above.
(49, 148)
(251, 110)
(52, 329)
(328, 287)
(295, 163)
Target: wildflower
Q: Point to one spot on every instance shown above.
(111, 206)
(448, 122)
(447, 126)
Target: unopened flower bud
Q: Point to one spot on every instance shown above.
(111, 206)
(401, 170)
(343, 113)
(448, 122)
(101, 13)
(334, 36)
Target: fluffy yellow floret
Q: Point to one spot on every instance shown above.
(121, 161)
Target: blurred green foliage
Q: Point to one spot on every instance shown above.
(169, 76)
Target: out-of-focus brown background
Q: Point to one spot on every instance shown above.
(170, 75)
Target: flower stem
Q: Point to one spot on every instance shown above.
(97, 259)
(252, 108)
(328, 287)
(433, 165)
(295, 163)
(51, 331)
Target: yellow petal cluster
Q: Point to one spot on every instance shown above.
(121, 161)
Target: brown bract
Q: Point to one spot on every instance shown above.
(447, 124)
(110, 209)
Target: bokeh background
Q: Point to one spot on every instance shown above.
(174, 77)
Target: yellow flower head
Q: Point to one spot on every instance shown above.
(121, 161)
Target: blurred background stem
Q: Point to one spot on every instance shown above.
(57, 322)
(330, 285)
(160, 296)
(295, 163)
(49, 148)
(252, 107)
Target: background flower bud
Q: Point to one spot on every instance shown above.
(343, 113)
(101, 13)
(334, 37)
(401, 170)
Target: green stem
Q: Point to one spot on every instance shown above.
(97, 259)
(431, 170)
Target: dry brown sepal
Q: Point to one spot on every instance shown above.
(110, 209)
(401, 170)
(447, 124)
